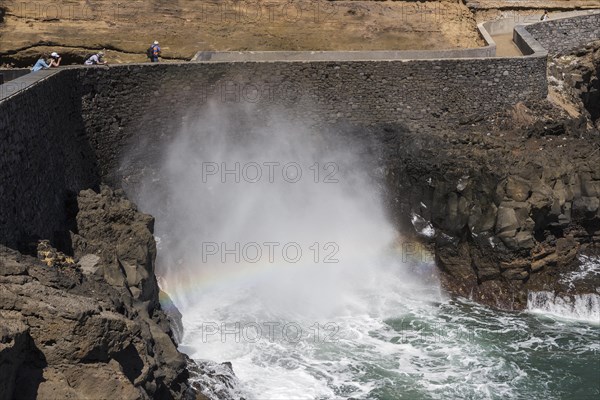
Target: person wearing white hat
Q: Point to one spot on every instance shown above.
(153, 52)
(96, 59)
(55, 59)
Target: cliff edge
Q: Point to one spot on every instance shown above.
(510, 202)
(89, 325)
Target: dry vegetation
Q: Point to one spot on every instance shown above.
(75, 28)
(184, 27)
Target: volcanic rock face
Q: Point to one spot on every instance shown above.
(93, 329)
(116, 241)
(513, 199)
(577, 78)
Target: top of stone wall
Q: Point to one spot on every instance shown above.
(21, 83)
(560, 35)
(380, 55)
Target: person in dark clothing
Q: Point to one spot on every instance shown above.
(154, 52)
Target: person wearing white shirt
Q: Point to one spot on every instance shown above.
(96, 59)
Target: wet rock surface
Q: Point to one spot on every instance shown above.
(92, 328)
(214, 380)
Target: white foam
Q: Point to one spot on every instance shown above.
(392, 333)
(582, 307)
(589, 267)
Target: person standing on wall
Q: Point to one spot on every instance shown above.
(545, 17)
(153, 52)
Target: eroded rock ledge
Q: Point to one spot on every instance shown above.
(90, 326)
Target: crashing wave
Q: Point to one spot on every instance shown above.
(583, 307)
(216, 381)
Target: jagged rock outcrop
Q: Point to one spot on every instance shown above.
(501, 219)
(576, 78)
(115, 241)
(92, 328)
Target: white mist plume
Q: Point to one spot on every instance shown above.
(334, 205)
(333, 210)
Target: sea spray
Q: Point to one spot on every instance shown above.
(273, 235)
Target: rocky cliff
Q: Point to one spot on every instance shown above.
(89, 325)
(513, 198)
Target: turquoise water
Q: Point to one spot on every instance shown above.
(402, 347)
(502, 355)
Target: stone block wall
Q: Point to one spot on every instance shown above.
(136, 105)
(65, 131)
(45, 156)
(561, 35)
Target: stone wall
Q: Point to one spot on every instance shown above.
(135, 104)
(561, 35)
(45, 156)
(10, 74)
(62, 130)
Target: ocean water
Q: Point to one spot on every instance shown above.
(390, 345)
(276, 247)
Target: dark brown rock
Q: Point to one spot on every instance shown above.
(530, 197)
(109, 226)
(15, 343)
(515, 274)
(517, 188)
(506, 222)
(72, 332)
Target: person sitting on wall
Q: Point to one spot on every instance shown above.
(154, 52)
(55, 59)
(96, 59)
(40, 64)
(545, 17)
